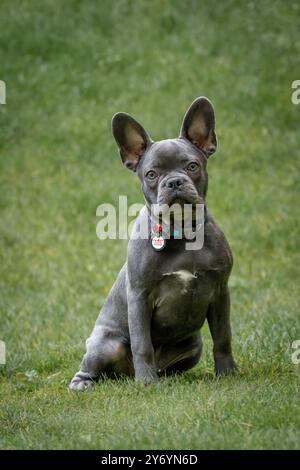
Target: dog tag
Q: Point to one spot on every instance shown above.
(158, 243)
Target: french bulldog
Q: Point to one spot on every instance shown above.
(150, 322)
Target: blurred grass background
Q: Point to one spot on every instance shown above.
(68, 67)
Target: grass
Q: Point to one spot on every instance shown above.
(68, 67)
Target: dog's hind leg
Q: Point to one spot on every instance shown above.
(179, 357)
(106, 354)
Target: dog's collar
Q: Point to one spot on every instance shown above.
(160, 232)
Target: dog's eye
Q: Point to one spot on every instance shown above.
(193, 166)
(151, 175)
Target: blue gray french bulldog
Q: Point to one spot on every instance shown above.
(150, 323)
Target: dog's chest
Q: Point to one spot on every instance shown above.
(180, 302)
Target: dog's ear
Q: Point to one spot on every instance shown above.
(198, 126)
(131, 137)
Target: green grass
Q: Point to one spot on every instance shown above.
(68, 67)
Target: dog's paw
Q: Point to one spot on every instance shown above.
(81, 383)
(147, 379)
(226, 366)
(145, 374)
(225, 371)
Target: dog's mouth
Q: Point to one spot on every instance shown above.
(181, 199)
(178, 199)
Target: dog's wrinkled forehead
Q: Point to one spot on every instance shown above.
(169, 155)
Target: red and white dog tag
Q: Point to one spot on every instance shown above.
(157, 240)
(158, 243)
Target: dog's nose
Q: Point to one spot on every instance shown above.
(174, 183)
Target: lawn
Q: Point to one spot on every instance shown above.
(68, 67)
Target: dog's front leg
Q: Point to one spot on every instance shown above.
(139, 318)
(219, 324)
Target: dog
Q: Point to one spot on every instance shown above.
(150, 322)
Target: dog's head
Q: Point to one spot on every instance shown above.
(172, 170)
